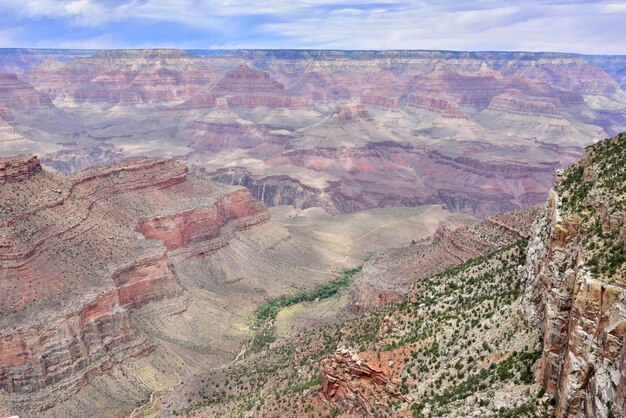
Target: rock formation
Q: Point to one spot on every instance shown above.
(481, 133)
(575, 294)
(348, 381)
(73, 267)
(18, 168)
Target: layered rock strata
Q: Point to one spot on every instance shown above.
(482, 133)
(18, 168)
(349, 381)
(74, 264)
(576, 291)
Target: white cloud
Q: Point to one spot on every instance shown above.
(80, 12)
(576, 26)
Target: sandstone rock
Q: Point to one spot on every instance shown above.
(18, 168)
(346, 379)
(73, 268)
(582, 315)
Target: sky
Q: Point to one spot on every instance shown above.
(583, 26)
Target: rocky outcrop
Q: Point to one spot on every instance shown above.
(447, 108)
(66, 351)
(145, 280)
(18, 168)
(353, 384)
(238, 210)
(575, 287)
(74, 268)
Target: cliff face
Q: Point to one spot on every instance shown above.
(74, 268)
(576, 285)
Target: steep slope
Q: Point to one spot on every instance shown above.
(576, 289)
(80, 255)
(453, 347)
(389, 275)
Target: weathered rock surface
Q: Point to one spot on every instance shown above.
(575, 290)
(349, 381)
(73, 267)
(18, 168)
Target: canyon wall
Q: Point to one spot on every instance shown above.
(80, 254)
(482, 133)
(575, 285)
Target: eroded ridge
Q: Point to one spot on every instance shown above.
(73, 264)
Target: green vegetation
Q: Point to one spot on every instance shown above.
(606, 175)
(454, 342)
(266, 313)
(504, 371)
(453, 346)
(595, 191)
(269, 310)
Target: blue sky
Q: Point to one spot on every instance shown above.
(585, 26)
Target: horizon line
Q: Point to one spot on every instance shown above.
(309, 50)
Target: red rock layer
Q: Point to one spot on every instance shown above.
(248, 88)
(127, 78)
(72, 265)
(68, 349)
(447, 108)
(16, 94)
(355, 385)
(203, 224)
(18, 168)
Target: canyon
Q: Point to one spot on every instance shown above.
(531, 326)
(311, 233)
(124, 280)
(482, 133)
